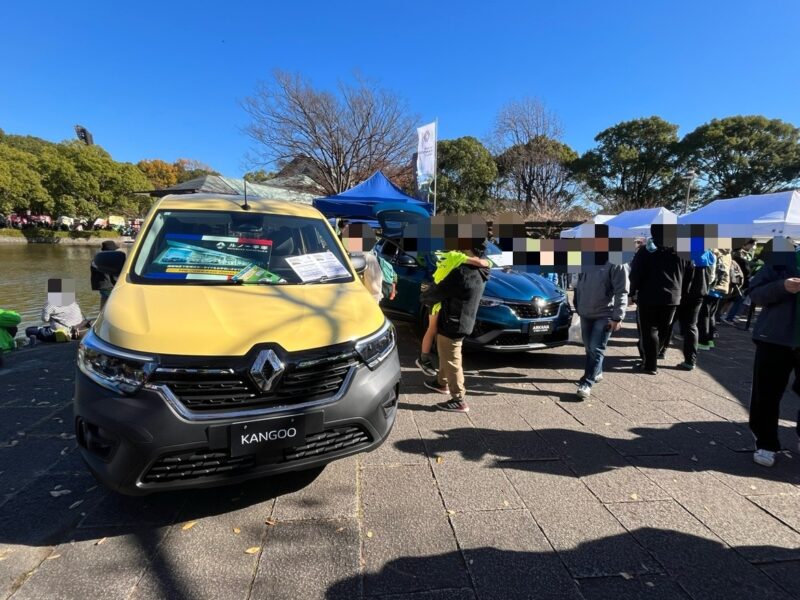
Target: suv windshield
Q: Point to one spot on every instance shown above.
(238, 248)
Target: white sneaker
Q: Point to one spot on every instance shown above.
(765, 458)
(584, 391)
(599, 378)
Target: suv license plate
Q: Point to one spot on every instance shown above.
(256, 437)
(537, 329)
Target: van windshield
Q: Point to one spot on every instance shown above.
(214, 247)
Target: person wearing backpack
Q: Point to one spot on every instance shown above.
(741, 257)
(707, 327)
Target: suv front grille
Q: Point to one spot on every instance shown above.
(301, 382)
(195, 464)
(527, 310)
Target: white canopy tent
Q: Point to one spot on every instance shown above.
(759, 216)
(586, 230)
(639, 220)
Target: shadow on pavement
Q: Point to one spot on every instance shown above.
(688, 566)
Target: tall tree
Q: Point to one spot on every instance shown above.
(466, 173)
(159, 173)
(20, 184)
(534, 165)
(347, 134)
(189, 169)
(259, 176)
(742, 155)
(633, 166)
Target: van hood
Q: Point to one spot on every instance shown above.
(519, 287)
(197, 320)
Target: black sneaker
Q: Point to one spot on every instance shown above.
(454, 405)
(433, 384)
(662, 355)
(686, 366)
(426, 365)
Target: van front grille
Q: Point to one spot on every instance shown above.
(206, 391)
(527, 310)
(196, 464)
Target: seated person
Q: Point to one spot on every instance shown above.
(61, 314)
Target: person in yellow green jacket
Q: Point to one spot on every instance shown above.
(447, 262)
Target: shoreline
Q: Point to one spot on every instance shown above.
(63, 241)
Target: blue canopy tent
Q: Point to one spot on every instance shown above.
(359, 201)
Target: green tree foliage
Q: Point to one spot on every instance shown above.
(20, 184)
(66, 179)
(189, 169)
(259, 176)
(466, 174)
(159, 173)
(742, 155)
(633, 166)
(538, 176)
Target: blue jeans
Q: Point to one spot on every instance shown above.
(595, 333)
(735, 307)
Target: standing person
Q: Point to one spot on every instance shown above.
(460, 294)
(695, 289)
(601, 296)
(656, 281)
(102, 282)
(707, 329)
(777, 337)
(743, 257)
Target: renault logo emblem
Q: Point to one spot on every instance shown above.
(266, 370)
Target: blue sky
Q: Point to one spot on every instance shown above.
(164, 79)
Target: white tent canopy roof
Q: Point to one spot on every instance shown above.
(764, 215)
(586, 230)
(641, 219)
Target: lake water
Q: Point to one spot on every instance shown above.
(25, 269)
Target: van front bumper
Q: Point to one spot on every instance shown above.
(141, 444)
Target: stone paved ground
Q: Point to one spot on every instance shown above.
(646, 490)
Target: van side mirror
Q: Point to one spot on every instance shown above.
(359, 262)
(109, 262)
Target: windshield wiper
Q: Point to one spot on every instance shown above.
(326, 279)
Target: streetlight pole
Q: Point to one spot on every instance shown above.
(689, 177)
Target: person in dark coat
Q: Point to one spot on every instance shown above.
(657, 274)
(102, 282)
(460, 294)
(777, 337)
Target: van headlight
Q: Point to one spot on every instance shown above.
(375, 348)
(114, 369)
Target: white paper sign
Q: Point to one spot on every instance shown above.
(321, 265)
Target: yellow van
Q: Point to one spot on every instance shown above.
(238, 342)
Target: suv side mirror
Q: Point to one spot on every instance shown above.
(404, 260)
(110, 262)
(359, 261)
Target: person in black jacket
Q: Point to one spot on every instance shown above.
(777, 337)
(460, 294)
(656, 281)
(103, 282)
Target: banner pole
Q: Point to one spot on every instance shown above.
(435, 160)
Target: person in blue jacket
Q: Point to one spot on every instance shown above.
(777, 337)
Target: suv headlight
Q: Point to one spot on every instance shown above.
(114, 369)
(489, 301)
(375, 348)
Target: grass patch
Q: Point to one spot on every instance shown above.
(45, 234)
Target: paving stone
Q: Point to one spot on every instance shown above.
(404, 435)
(460, 594)
(309, 559)
(332, 495)
(735, 520)
(474, 486)
(692, 555)
(125, 511)
(409, 544)
(644, 587)
(18, 421)
(508, 557)
(571, 517)
(86, 569)
(17, 560)
(450, 436)
(47, 511)
(786, 574)
(785, 508)
(27, 460)
(208, 559)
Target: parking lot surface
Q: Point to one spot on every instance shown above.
(647, 489)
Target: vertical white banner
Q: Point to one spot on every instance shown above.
(426, 155)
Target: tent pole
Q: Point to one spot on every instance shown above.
(435, 160)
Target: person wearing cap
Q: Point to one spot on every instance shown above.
(103, 282)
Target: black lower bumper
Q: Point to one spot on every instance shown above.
(139, 444)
